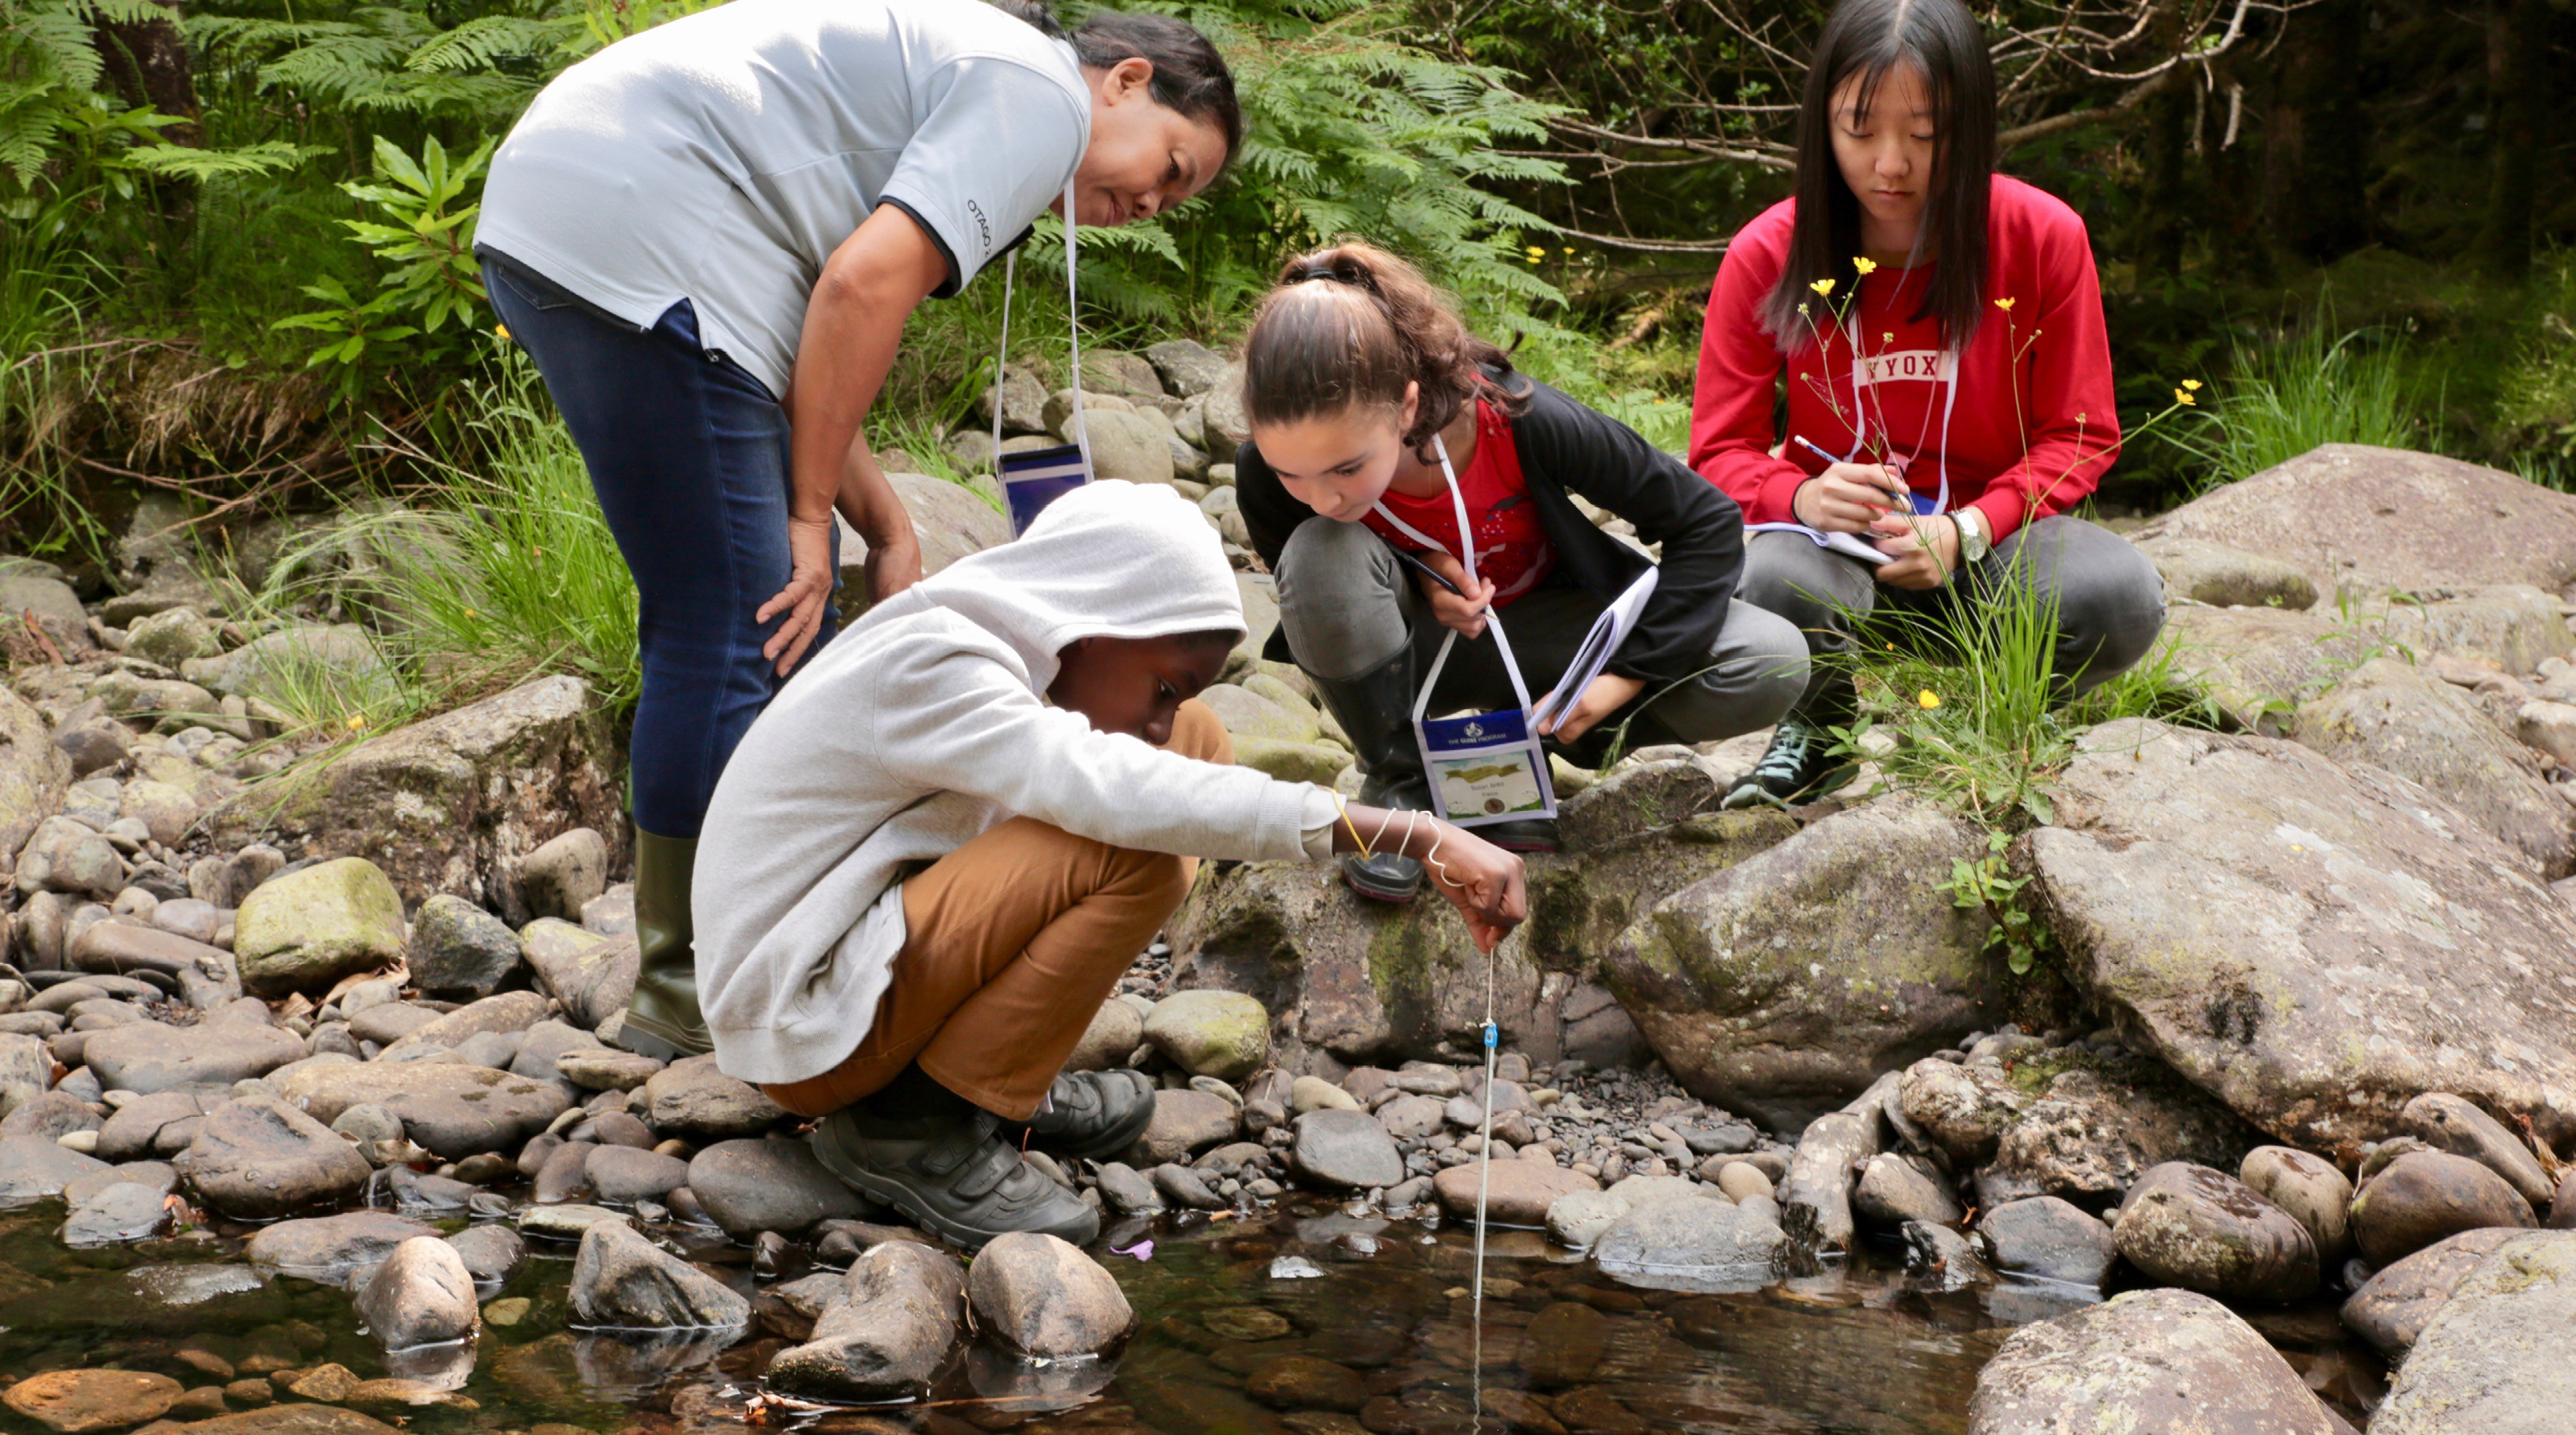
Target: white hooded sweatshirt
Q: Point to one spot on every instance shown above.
(925, 723)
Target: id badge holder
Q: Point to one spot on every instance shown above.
(1036, 477)
(1484, 767)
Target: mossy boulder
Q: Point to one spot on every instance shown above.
(1211, 1033)
(307, 929)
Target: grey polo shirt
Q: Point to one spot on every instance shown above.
(721, 158)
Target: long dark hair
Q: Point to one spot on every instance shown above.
(1189, 75)
(1351, 326)
(1868, 38)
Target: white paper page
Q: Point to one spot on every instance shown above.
(1608, 631)
(1850, 543)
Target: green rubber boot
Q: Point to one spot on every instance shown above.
(662, 1018)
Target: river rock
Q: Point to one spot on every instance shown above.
(1517, 1193)
(1116, 1030)
(592, 975)
(308, 929)
(63, 855)
(2494, 1359)
(2393, 715)
(73, 1401)
(164, 810)
(1346, 1149)
(565, 872)
(258, 1158)
(451, 1110)
(887, 1333)
(2391, 1308)
(1893, 1191)
(2423, 1196)
(2224, 577)
(1211, 1033)
(330, 1248)
(623, 1175)
(33, 771)
(2204, 1230)
(458, 950)
(2447, 1123)
(121, 947)
(159, 1124)
(1689, 1243)
(2313, 945)
(1815, 1195)
(441, 803)
(2157, 1360)
(504, 1013)
(622, 1280)
(1184, 1124)
(490, 1252)
(2315, 1194)
(148, 1056)
(51, 1115)
(692, 1100)
(1785, 984)
(2048, 1238)
(1044, 1298)
(26, 1070)
(421, 1295)
(751, 1186)
(950, 520)
(114, 1215)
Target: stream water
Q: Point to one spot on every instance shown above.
(1863, 1348)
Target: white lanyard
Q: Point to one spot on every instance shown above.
(1073, 326)
(1466, 557)
(1851, 327)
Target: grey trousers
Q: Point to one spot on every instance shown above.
(2110, 599)
(1348, 605)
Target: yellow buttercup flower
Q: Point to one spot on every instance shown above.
(357, 721)
(2184, 398)
(501, 329)
(1569, 249)
(1824, 287)
(2192, 384)
(2004, 304)
(1866, 267)
(1537, 253)
(1927, 699)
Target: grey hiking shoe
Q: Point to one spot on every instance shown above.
(1799, 766)
(1089, 1114)
(951, 1173)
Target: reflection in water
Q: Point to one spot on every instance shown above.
(1317, 1321)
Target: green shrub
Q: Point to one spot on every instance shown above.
(2292, 392)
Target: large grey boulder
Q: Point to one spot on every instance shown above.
(2403, 520)
(750, 1186)
(2204, 1230)
(33, 771)
(950, 520)
(305, 930)
(258, 1158)
(331, 1249)
(2425, 1196)
(2313, 945)
(886, 1333)
(1370, 982)
(690, 1098)
(592, 975)
(147, 1056)
(2224, 577)
(440, 804)
(1782, 986)
(621, 1280)
(264, 667)
(2392, 1307)
(460, 950)
(1042, 1297)
(2395, 716)
(449, 1109)
(2447, 1123)
(2494, 1359)
(1691, 1245)
(2048, 1238)
(33, 1169)
(422, 1295)
(2262, 664)
(2157, 1360)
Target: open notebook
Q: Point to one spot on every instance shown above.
(1850, 543)
(1608, 631)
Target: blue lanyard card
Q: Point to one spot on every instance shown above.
(1037, 477)
(1485, 767)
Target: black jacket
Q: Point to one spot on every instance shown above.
(1568, 448)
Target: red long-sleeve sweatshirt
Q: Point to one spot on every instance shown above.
(2032, 426)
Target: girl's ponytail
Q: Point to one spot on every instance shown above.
(1350, 326)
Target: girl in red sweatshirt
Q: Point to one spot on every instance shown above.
(1939, 327)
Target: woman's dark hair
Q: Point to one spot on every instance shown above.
(1351, 326)
(1189, 75)
(1868, 38)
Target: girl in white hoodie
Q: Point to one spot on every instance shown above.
(934, 854)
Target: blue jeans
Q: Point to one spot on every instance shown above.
(688, 454)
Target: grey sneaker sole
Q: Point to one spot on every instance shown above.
(892, 1189)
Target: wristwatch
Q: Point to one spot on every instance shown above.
(1973, 540)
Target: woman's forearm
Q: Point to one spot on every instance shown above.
(853, 327)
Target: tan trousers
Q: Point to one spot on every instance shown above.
(1011, 944)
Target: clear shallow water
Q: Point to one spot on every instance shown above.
(1861, 1350)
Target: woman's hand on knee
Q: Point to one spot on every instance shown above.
(1848, 497)
(809, 587)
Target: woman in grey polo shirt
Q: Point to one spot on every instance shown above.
(709, 237)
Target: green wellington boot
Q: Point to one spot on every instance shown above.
(662, 1018)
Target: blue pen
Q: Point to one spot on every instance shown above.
(1802, 441)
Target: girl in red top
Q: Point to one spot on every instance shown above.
(1364, 393)
(1939, 327)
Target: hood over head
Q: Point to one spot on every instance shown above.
(1109, 559)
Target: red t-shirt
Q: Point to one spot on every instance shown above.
(2033, 426)
(1512, 551)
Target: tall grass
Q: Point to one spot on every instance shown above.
(47, 283)
(501, 570)
(2306, 388)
